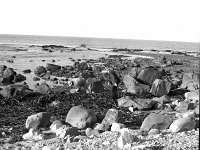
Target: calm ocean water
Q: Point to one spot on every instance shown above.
(99, 42)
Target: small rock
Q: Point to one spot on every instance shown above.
(38, 120)
(154, 132)
(111, 116)
(48, 148)
(56, 125)
(117, 126)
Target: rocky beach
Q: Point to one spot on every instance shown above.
(156, 105)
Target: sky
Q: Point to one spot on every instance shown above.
(168, 20)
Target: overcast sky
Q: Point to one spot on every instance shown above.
(170, 20)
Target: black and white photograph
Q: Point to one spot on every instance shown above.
(99, 74)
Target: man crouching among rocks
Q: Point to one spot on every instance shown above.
(79, 84)
(112, 78)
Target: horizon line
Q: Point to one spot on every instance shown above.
(101, 38)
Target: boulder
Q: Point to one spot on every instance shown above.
(83, 66)
(19, 78)
(64, 131)
(117, 126)
(91, 132)
(56, 125)
(145, 75)
(43, 88)
(190, 81)
(161, 101)
(39, 120)
(125, 101)
(160, 87)
(156, 121)
(183, 124)
(184, 106)
(52, 67)
(95, 86)
(143, 104)
(133, 86)
(193, 95)
(7, 76)
(27, 71)
(15, 90)
(111, 116)
(33, 134)
(40, 71)
(125, 138)
(80, 117)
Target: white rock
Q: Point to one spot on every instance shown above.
(189, 114)
(56, 125)
(47, 148)
(183, 124)
(125, 138)
(117, 126)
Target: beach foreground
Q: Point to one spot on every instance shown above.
(178, 69)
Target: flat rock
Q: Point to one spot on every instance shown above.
(156, 121)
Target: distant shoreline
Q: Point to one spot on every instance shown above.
(104, 43)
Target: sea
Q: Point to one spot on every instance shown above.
(100, 42)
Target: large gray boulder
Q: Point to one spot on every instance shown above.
(80, 117)
(190, 81)
(145, 75)
(133, 86)
(160, 87)
(52, 67)
(156, 121)
(42, 88)
(111, 116)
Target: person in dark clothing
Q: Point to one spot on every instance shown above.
(111, 77)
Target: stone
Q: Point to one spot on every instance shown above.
(190, 81)
(156, 121)
(143, 104)
(65, 131)
(80, 117)
(111, 116)
(125, 101)
(117, 126)
(133, 86)
(26, 71)
(183, 124)
(39, 120)
(52, 67)
(189, 114)
(101, 127)
(125, 138)
(33, 134)
(39, 71)
(153, 132)
(96, 87)
(43, 88)
(14, 90)
(183, 106)
(146, 75)
(47, 148)
(160, 87)
(56, 125)
(19, 78)
(196, 110)
(7, 76)
(78, 83)
(193, 95)
(92, 132)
